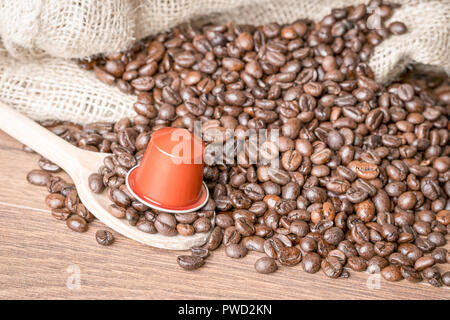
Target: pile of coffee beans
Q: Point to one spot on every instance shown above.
(364, 179)
(63, 199)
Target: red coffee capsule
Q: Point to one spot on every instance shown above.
(170, 175)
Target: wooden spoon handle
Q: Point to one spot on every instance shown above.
(36, 137)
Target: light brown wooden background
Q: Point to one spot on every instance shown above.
(36, 252)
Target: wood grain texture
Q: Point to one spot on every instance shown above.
(36, 252)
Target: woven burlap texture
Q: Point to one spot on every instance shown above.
(39, 37)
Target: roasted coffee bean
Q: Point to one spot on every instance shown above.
(244, 227)
(236, 251)
(166, 224)
(356, 195)
(410, 274)
(83, 212)
(289, 256)
(190, 262)
(231, 235)
(391, 273)
(308, 244)
(188, 217)
(185, 229)
(146, 226)
(331, 267)
(104, 237)
(384, 249)
(214, 239)
(202, 224)
(397, 28)
(38, 177)
(253, 243)
(437, 238)
(120, 198)
(446, 278)
(265, 265)
(439, 255)
(48, 166)
(224, 220)
(311, 262)
(433, 276)
(96, 183)
(423, 262)
(376, 264)
(364, 170)
(76, 223)
(117, 211)
(200, 252)
(55, 201)
(357, 263)
(399, 259)
(333, 235)
(347, 248)
(272, 247)
(71, 200)
(61, 214)
(424, 244)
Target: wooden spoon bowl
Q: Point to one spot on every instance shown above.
(80, 164)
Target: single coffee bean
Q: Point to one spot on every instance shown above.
(437, 238)
(202, 224)
(55, 201)
(253, 243)
(331, 267)
(38, 177)
(391, 273)
(185, 229)
(104, 237)
(231, 235)
(289, 256)
(200, 252)
(166, 224)
(410, 274)
(61, 213)
(397, 28)
(446, 278)
(187, 218)
(244, 227)
(76, 223)
(83, 212)
(333, 235)
(311, 262)
(423, 262)
(146, 226)
(433, 276)
(376, 264)
(364, 170)
(48, 166)
(236, 251)
(439, 255)
(96, 183)
(117, 211)
(190, 262)
(214, 239)
(265, 265)
(357, 263)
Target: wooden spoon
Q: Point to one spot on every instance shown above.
(79, 164)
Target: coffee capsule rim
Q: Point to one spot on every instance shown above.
(203, 198)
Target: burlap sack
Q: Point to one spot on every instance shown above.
(39, 36)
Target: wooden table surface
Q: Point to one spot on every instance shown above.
(40, 258)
